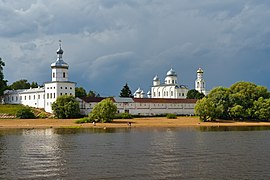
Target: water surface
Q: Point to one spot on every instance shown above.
(136, 153)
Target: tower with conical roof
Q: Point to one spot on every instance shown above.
(199, 82)
(60, 85)
(59, 67)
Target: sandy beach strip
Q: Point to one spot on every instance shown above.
(136, 122)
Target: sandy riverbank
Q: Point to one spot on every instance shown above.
(136, 122)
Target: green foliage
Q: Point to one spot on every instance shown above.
(123, 116)
(126, 92)
(42, 115)
(205, 109)
(242, 101)
(25, 113)
(34, 85)
(92, 93)
(261, 109)
(10, 109)
(171, 116)
(104, 111)
(3, 83)
(194, 94)
(21, 84)
(80, 92)
(66, 107)
(84, 120)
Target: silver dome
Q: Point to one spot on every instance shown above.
(59, 62)
(171, 72)
(156, 78)
(200, 70)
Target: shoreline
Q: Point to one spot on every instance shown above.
(162, 122)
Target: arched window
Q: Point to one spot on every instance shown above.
(64, 75)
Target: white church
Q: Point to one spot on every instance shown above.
(43, 97)
(167, 97)
(170, 88)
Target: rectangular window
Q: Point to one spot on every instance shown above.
(64, 75)
(12, 98)
(48, 95)
(38, 96)
(53, 95)
(171, 93)
(34, 97)
(53, 75)
(20, 97)
(29, 97)
(24, 97)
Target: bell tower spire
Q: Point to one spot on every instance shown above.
(60, 67)
(199, 82)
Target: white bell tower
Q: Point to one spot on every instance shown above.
(60, 85)
(60, 67)
(199, 82)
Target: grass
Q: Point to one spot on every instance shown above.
(10, 109)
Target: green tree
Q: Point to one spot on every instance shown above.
(80, 92)
(3, 83)
(206, 109)
(21, 84)
(92, 93)
(104, 111)
(261, 109)
(237, 112)
(194, 94)
(126, 92)
(66, 107)
(242, 101)
(34, 85)
(220, 97)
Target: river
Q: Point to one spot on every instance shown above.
(136, 153)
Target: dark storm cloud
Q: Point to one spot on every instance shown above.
(110, 42)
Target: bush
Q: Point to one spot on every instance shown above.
(25, 113)
(104, 111)
(42, 115)
(66, 107)
(123, 116)
(84, 120)
(171, 116)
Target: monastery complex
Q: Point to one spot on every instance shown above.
(163, 98)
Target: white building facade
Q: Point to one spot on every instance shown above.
(43, 97)
(143, 106)
(170, 89)
(200, 82)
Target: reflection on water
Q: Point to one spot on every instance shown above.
(233, 128)
(135, 153)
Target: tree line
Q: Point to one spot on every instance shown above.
(241, 101)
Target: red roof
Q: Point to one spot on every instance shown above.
(94, 99)
(163, 100)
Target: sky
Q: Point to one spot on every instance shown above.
(108, 43)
